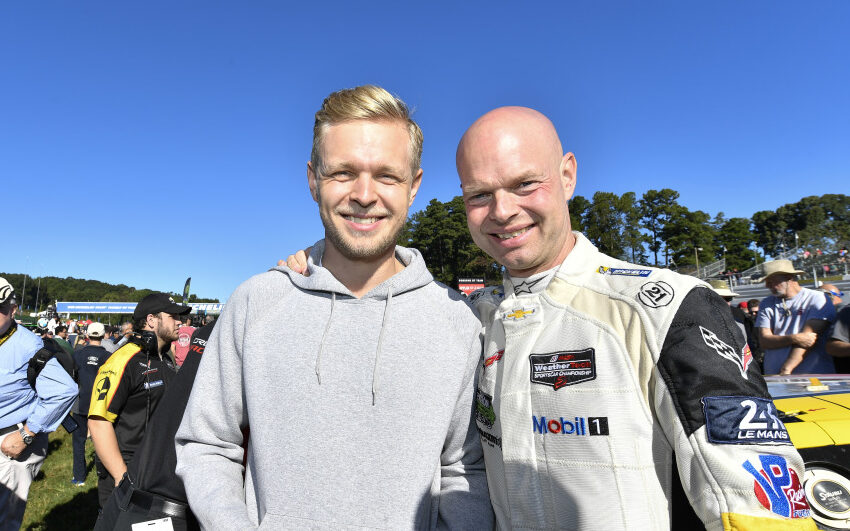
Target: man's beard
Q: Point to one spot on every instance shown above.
(347, 245)
(165, 334)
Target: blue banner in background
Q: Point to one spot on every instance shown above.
(95, 307)
(128, 307)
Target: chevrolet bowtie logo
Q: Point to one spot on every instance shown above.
(519, 313)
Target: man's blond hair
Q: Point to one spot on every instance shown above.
(366, 102)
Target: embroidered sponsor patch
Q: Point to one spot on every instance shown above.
(155, 383)
(484, 412)
(475, 295)
(489, 439)
(656, 294)
(525, 286)
(579, 426)
(559, 369)
(494, 358)
(743, 420)
(497, 293)
(622, 271)
(742, 360)
(518, 314)
(777, 486)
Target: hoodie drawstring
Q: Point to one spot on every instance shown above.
(375, 378)
(375, 374)
(322, 344)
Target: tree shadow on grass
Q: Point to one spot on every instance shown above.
(78, 514)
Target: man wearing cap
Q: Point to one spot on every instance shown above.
(88, 360)
(789, 322)
(26, 414)
(129, 386)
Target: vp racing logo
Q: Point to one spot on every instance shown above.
(777, 487)
(742, 360)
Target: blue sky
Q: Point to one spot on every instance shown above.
(143, 143)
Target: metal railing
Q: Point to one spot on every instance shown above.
(759, 268)
(713, 269)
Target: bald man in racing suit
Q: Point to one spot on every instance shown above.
(599, 376)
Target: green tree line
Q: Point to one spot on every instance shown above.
(42, 291)
(654, 229)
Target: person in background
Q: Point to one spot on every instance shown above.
(27, 414)
(834, 294)
(753, 307)
(151, 490)
(61, 337)
(88, 360)
(126, 334)
(184, 335)
(129, 386)
(111, 338)
(838, 345)
(791, 322)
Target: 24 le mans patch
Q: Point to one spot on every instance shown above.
(559, 369)
(743, 420)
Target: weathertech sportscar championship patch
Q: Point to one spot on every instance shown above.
(778, 487)
(559, 369)
(743, 420)
(742, 359)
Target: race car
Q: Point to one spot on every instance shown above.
(816, 411)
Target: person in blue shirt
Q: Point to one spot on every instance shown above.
(27, 415)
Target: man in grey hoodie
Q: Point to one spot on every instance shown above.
(360, 414)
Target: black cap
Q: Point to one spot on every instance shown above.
(159, 302)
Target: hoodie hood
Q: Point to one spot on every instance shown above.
(415, 275)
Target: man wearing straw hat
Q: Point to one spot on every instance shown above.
(789, 322)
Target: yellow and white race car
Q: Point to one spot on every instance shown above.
(816, 411)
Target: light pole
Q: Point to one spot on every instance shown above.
(796, 243)
(37, 293)
(696, 255)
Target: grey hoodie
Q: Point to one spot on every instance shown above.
(359, 410)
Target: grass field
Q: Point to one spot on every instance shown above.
(54, 503)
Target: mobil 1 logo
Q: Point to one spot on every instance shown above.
(743, 420)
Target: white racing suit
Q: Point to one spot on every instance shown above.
(590, 389)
